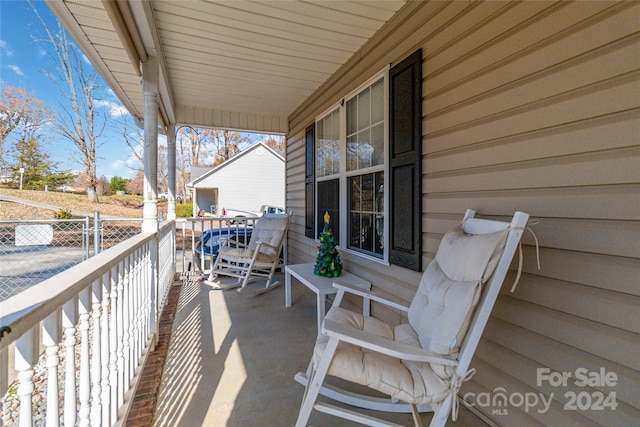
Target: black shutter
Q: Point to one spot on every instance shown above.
(329, 202)
(309, 181)
(405, 151)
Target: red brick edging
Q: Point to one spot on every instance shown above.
(146, 397)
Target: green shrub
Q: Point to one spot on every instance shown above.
(184, 210)
(63, 214)
(118, 183)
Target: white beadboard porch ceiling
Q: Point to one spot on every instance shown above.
(236, 64)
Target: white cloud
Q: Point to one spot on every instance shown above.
(118, 111)
(133, 162)
(115, 109)
(3, 46)
(118, 164)
(16, 69)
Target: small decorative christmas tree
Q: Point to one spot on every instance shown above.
(328, 262)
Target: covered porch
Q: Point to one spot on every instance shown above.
(153, 344)
(232, 360)
(527, 106)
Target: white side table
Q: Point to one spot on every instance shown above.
(322, 286)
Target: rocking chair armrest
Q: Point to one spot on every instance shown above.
(396, 303)
(383, 345)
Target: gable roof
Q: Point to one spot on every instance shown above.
(234, 159)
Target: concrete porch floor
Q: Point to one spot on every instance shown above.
(232, 360)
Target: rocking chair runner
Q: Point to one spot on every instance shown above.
(424, 362)
(259, 258)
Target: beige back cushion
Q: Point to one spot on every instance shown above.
(269, 230)
(450, 288)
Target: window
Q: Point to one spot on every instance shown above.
(368, 167)
(361, 143)
(366, 213)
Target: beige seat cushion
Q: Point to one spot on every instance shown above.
(412, 382)
(243, 254)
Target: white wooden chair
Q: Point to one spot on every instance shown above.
(257, 259)
(421, 364)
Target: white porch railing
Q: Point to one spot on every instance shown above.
(107, 310)
(238, 228)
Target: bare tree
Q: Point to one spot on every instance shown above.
(135, 142)
(193, 148)
(163, 169)
(183, 163)
(136, 185)
(209, 147)
(20, 112)
(78, 120)
(227, 144)
(277, 142)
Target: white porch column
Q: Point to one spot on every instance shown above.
(150, 90)
(171, 174)
(194, 200)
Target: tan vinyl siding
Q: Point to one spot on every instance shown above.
(531, 106)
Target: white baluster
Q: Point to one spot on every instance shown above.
(69, 319)
(114, 343)
(135, 314)
(153, 289)
(25, 357)
(122, 274)
(144, 300)
(96, 352)
(25, 393)
(145, 303)
(85, 373)
(105, 349)
(51, 336)
(142, 295)
(126, 324)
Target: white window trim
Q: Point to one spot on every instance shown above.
(343, 175)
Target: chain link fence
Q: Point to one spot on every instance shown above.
(34, 250)
(114, 231)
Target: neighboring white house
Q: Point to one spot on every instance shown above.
(247, 181)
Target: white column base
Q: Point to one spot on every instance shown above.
(150, 216)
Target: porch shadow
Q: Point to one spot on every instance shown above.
(233, 357)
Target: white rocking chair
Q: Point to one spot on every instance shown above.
(259, 258)
(421, 364)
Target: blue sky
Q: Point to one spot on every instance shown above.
(22, 60)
